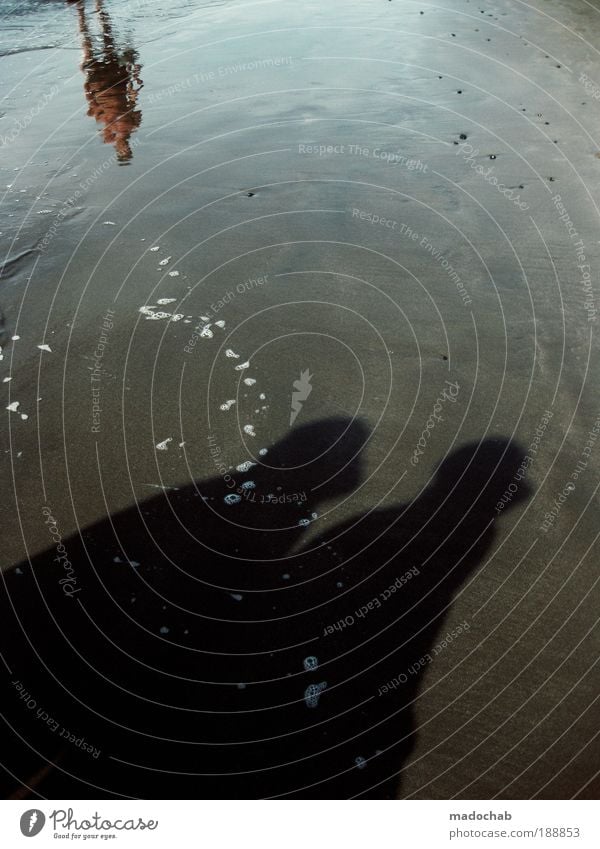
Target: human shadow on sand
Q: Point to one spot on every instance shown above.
(193, 648)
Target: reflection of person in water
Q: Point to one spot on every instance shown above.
(194, 648)
(112, 82)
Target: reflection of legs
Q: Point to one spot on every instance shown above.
(107, 33)
(86, 41)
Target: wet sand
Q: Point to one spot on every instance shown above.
(388, 211)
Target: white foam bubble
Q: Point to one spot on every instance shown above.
(312, 694)
(157, 316)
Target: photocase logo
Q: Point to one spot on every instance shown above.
(32, 822)
(302, 389)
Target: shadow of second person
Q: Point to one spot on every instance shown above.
(403, 568)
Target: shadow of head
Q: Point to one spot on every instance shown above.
(322, 457)
(258, 509)
(479, 477)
